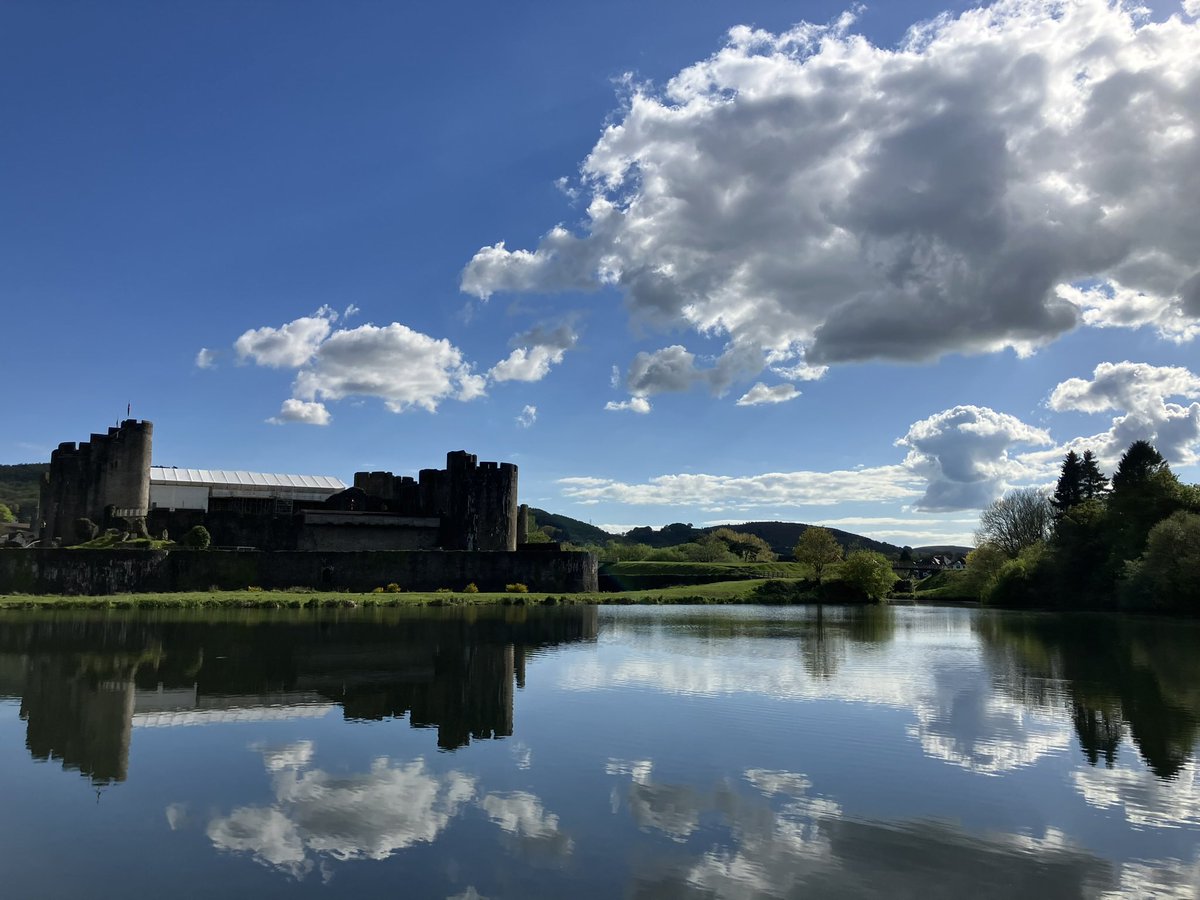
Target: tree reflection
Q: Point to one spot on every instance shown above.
(1121, 673)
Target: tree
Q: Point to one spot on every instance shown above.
(1019, 519)
(1171, 563)
(869, 572)
(983, 567)
(749, 547)
(197, 538)
(818, 548)
(6, 514)
(1069, 490)
(1138, 465)
(1092, 480)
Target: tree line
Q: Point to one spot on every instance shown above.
(1129, 542)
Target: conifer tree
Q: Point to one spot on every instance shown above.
(1093, 481)
(1069, 491)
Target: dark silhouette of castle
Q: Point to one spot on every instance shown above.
(102, 479)
(468, 505)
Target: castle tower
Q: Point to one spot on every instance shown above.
(106, 477)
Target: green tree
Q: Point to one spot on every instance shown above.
(748, 547)
(1169, 570)
(1020, 519)
(869, 572)
(1092, 480)
(818, 549)
(6, 514)
(983, 567)
(1144, 492)
(1069, 490)
(197, 538)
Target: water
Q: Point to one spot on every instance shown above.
(612, 752)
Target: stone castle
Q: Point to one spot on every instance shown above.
(109, 480)
(446, 528)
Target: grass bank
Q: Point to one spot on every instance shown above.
(741, 591)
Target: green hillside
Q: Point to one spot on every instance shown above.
(780, 536)
(568, 529)
(19, 487)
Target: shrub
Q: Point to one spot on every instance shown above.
(471, 588)
(517, 588)
(197, 538)
(254, 589)
(393, 588)
(377, 590)
(869, 573)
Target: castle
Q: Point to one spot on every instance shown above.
(469, 505)
(447, 528)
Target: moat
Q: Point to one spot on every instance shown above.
(598, 752)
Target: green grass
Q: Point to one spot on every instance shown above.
(947, 585)
(718, 571)
(741, 591)
(114, 542)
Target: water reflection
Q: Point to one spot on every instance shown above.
(86, 681)
(1117, 674)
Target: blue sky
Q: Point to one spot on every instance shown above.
(681, 261)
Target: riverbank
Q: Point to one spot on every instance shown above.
(741, 591)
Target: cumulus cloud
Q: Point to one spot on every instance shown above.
(993, 181)
(303, 412)
(288, 346)
(1141, 393)
(633, 404)
(727, 492)
(760, 394)
(534, 354)
(205, 358)
(675, 369)
(527, 417)
(402, 367)
(964, 455)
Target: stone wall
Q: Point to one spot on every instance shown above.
(129, 571)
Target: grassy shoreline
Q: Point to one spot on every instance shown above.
(741, 591)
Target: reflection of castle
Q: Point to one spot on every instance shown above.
(81, 704)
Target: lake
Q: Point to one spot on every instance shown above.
(598, 752)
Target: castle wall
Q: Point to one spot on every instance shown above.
(52, 571)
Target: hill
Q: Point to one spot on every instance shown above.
(19, 487)
(571, 530)
(781, 536)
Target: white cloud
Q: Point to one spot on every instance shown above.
(521, 813)
(288, 346)
(1146, 800)
(535, 353)
(394, 363)
(1192, 8)
(350, 310)
(527, 417)
(808, 190)
(1140, 391)
(760, 394)
(963, 453)
(303, 412)
(205, 358)
(773, 489)
(402, 367)
(633, 404)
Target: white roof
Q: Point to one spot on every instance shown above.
(227, 478)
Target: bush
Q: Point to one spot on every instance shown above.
(517, 588)
(254, 589)
(471, 588)
(393, 588)
(376, 590)
(197, 538)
